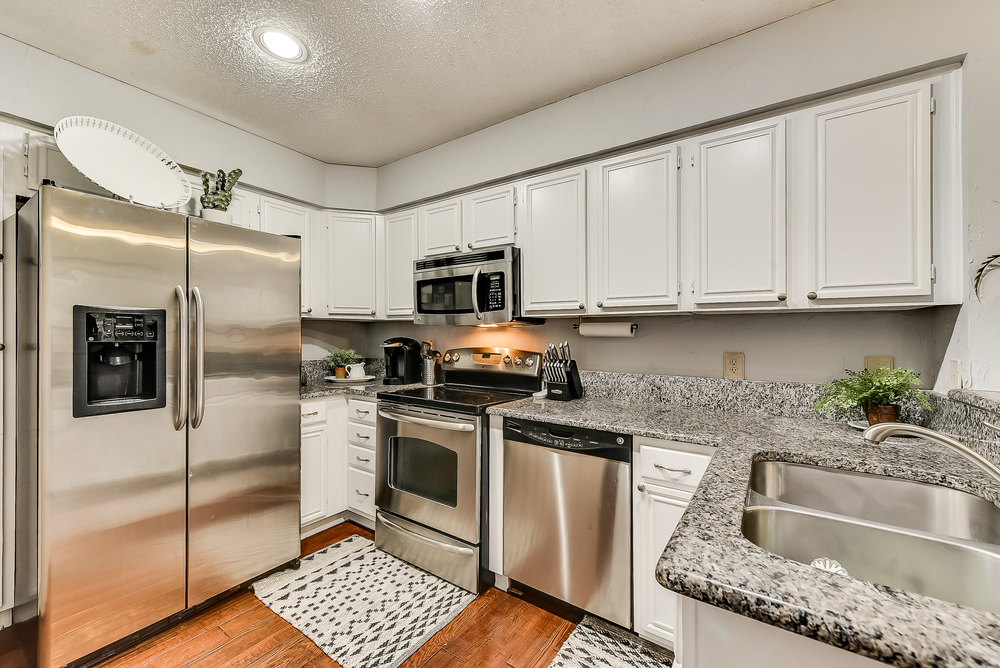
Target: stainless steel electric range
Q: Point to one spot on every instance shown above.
(431, 477)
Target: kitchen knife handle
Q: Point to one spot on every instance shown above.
(181, 416)
(199, 361)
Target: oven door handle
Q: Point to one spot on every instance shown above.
(475, 292)
(444, 546)
(425, 422)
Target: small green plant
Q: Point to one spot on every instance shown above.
(218, 195)
(339, 357)
(880, 387)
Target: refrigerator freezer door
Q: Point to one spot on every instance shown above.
(243, 489)
(111, 488)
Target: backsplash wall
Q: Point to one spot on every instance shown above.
(798, 347)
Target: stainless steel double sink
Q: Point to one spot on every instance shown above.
(910, 535)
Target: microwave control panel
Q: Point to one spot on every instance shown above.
(495, 297)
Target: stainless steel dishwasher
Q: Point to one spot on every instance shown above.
(567, 525)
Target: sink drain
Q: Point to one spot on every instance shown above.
(829, 565)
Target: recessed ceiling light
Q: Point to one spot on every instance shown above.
(280, 44)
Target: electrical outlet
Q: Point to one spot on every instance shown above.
(872, 362)
(732, 365)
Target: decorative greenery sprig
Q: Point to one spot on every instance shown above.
(871, 388)
(220, 194)
(989, 265)
(339, 357)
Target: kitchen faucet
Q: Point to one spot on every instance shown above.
(879, 432)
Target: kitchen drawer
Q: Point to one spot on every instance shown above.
(313, 412)
(361, 491)
(676, 468)
(361, 434)
(361, 411)
(361, 458)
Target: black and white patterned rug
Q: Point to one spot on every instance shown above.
(596, 643)
(361, 606)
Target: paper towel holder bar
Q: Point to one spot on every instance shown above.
(632, 327)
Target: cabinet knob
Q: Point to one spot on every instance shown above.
(811, 295)
(600, 304)
(470, 244)
(373, 312)
(309, 310)
(641, 488)
(457, 247)
(582, 307)
(782, 297)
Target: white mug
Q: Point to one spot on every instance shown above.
(355, 370)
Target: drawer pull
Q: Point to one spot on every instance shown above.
(641, 488)
(360, 493)
(362, 437)
(361, 412)
(667, 468)
(362, 459)
(310, 414)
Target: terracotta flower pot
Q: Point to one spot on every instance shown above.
(340, 372)
(877, 414)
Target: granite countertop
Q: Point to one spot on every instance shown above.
(710, 560)
(317, 388)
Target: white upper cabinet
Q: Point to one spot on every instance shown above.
(489, 217)
(289, 220)
(400, 252)
(870, 205)
(633, 215)
(350, 256)
(441, 228)
(46, 161)
(553, 238)
(736, 186)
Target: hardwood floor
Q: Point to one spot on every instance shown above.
(495, 631)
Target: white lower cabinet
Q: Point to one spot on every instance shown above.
(360, 434)
(665, 474)
(313, 481)
(323, 460)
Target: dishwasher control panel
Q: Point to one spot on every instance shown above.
(607, 445)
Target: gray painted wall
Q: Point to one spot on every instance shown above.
(804, 347)
(836, 45)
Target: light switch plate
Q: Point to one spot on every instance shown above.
(872, 362)
(955, 374)
(732, 365)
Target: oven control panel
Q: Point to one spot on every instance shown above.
(498, 360)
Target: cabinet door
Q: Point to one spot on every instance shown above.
(489, 217)
(351, 270)
(441, 228)
(637, 241)
(554, 244)
(289, 220)
(46, 161)
(400, 252)
(656, 512)
(872, 180)
(739, 190)
(245, 206)
(336, 449)
(312, 493)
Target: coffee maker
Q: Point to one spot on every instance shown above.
(402, 361)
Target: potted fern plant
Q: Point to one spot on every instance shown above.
(339, 359)
(218, 195)
(878, 393)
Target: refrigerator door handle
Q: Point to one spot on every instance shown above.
(181, 416)
(199, 359)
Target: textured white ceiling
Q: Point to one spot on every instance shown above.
(385, 78)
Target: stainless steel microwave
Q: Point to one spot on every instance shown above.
(477, 288)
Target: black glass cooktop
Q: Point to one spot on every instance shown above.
(455, 398)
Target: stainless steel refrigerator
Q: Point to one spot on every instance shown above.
(156, 365)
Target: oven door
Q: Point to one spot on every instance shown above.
(467, 295)
(427, 469)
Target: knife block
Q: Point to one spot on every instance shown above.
(571, 389)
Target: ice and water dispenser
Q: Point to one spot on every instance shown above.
(119, 360)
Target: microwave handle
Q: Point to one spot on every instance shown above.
(475, 293)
